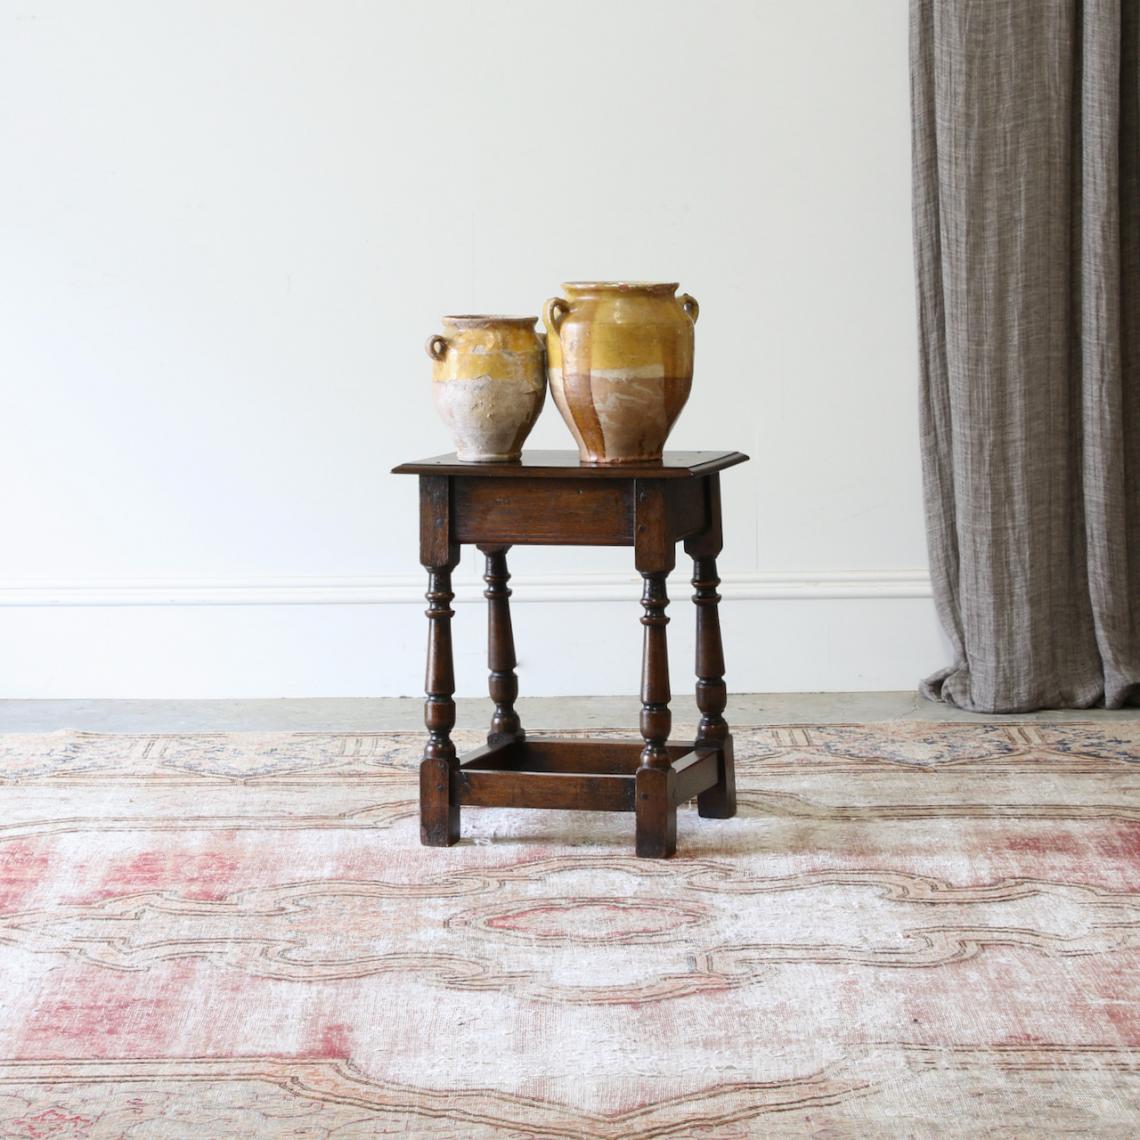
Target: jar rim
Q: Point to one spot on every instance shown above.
(482, 320)
(653, 287)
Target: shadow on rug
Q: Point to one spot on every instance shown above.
(908, 930)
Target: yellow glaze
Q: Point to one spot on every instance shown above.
(478, 347)
(620, 365)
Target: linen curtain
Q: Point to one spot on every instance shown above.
(1026, 164)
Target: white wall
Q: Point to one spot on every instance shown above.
(227, 227)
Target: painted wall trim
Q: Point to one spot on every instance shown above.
(402, 590)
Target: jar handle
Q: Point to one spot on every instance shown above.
(554, 313)
(689, 304)
(436, 347)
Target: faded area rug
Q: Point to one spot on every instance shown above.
(909, 930)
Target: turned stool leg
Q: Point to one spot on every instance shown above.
(655, 780)
(503, 683)
(719, 801)
(439, 802)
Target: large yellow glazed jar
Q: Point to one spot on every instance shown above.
(488, 383)
(620, 363)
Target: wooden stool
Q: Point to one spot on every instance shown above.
(550, 498)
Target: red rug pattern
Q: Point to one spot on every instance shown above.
(909, 929)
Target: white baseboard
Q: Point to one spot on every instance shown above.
(310, 637)
(401, 590)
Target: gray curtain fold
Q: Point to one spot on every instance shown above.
(1026, 163)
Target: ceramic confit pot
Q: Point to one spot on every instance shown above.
(488, 383)
(620, 363)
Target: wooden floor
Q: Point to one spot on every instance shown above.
(394, 713)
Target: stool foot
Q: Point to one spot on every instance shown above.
(719, 801)
(656, 810)
(439, 803)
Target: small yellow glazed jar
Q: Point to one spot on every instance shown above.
(620, 363)
(488, 383)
